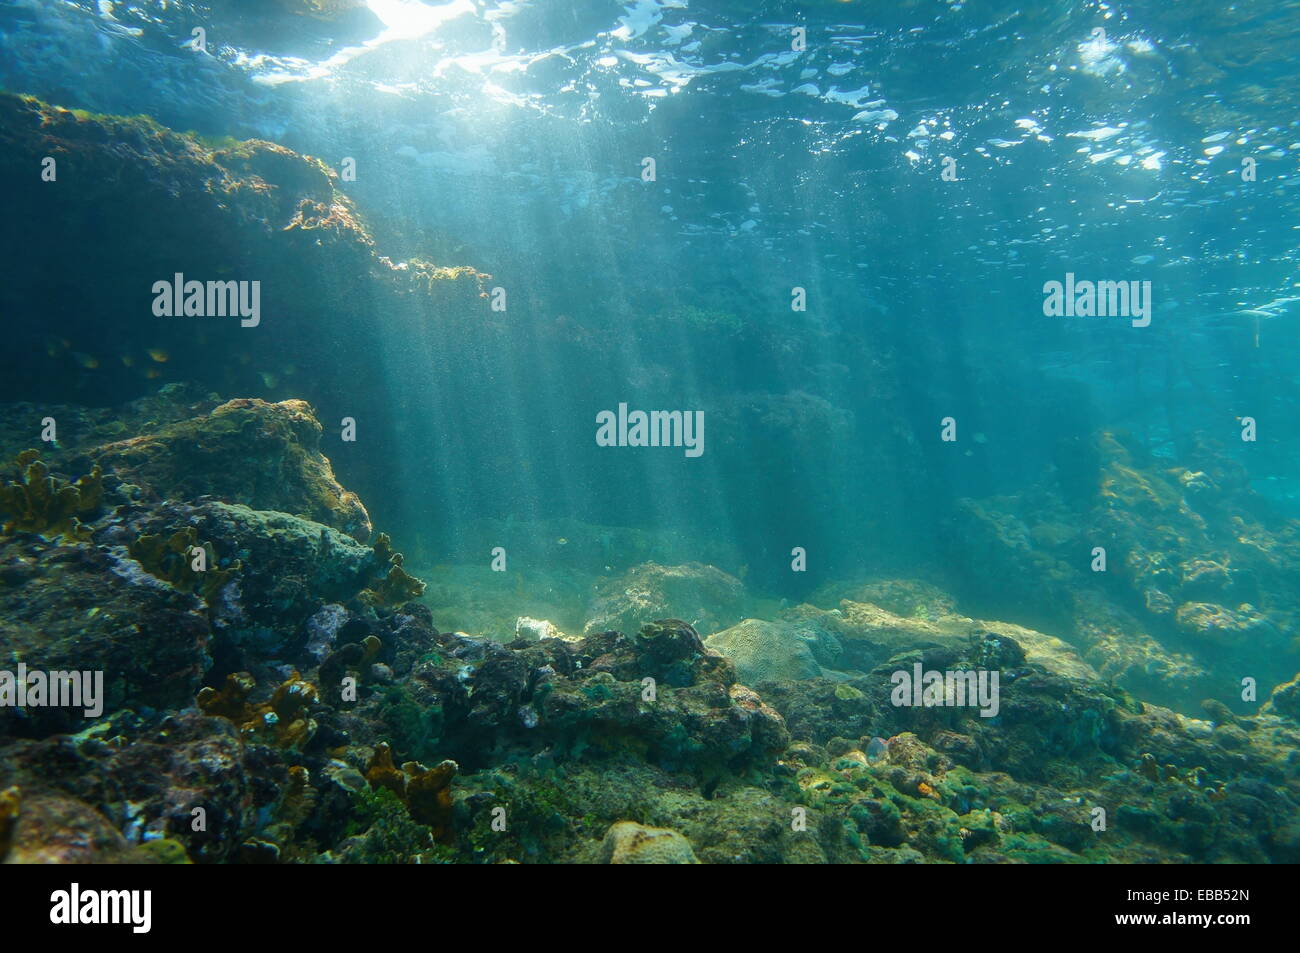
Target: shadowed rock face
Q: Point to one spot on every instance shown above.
(141, 203)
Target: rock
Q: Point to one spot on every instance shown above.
(83, 608)
(697, 728)
(871, 634)
(262, 455)
(58, 830)
(1219, 625)
(628, 842)
(1285, 699)
(534, 630)
(670, 650)
(706, 597)
(766, 651)
(1197, 563)
(288, 566)
(322, 628)
(910, 598)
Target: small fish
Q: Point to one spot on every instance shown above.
(86, 360)
(159, 355)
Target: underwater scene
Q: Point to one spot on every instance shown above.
(650, 432)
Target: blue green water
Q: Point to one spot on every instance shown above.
(861, 336)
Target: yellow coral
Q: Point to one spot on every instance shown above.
(171, 558)
(284, 721)
(397, 586)
(40, 503)
(426, 792)
(10, 806)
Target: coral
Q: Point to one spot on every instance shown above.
(426, 792)
(351, 658)
(172, 560)
(396, 586)
(628, 842)
(766, 651)
(283, 721)
(10, 806)
(37, 502)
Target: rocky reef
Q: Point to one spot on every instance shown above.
(276, 690)
(1176, 580)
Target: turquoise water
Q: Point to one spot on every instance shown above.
(851, 248)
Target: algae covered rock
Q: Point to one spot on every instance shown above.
(871, 635)
(614, 702)
(262, 455)
(1285, 699)
(267, 572)
(910, 598)
(51, 829)
(10, 806)
(706, 597)
(84, 608)
(1196, 564)
(628, 842)
(1219, 625)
